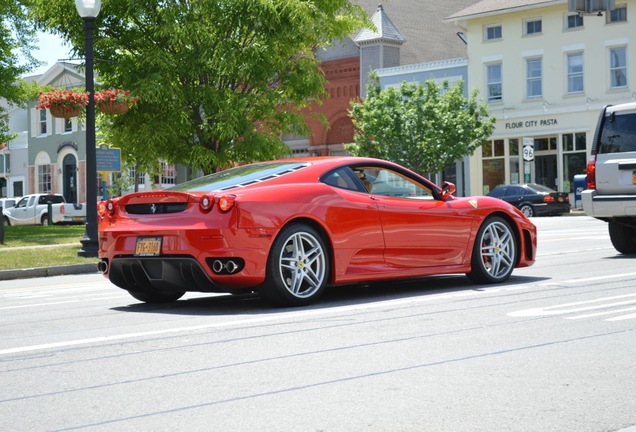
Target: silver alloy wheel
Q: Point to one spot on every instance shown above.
(497, 250)
(302, 265)
(527, 210)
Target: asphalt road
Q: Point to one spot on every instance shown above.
(552, 349)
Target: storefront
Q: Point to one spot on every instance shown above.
(548, 150)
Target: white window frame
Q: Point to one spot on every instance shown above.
(617, 15)
(530, 80)
(574, 73)
(489, 27)
(576, 16)
(615, 69)
(44, 178)
(531, 22)
(491, 84)
(167, 174)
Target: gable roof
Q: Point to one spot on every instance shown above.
(421, 22)
(494, 7)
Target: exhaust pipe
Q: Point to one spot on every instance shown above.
(217, 266)
(231, 266)
(102, 266)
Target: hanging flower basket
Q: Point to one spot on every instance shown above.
(63, 103)
(114, 101)
(61, 111)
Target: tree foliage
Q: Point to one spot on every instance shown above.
(218, 81)
(423, 127)
(16, 41)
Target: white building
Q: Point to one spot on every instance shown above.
(546, 73)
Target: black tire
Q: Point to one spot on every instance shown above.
(623, 238)
(527, 210)
(156, 297)
(44, 220)
(6, 222)
(494, 253)
(297, 267)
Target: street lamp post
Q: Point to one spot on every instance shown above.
(88, 10)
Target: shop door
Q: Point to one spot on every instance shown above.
(546, 171)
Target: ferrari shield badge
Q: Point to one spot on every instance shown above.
(473, 203)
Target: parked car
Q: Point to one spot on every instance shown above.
(6, 203)
(611, 175)
(288, 228)
(533, 199)
(33, 209)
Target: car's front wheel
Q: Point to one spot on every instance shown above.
(156, 297)
(494, 253)
(623, 238)
(297, 267)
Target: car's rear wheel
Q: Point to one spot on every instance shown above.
(623, 238)
(527, 210)
(156, 297)
(44, 220)
(494, 253)
(5, 221)
(297, 267)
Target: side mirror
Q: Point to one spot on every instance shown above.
(448, 189)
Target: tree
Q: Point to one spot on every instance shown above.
(423, 127)
(16, 41)
(216, 79)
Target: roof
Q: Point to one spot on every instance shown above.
(421, 22)
(493, 7)
(385, 30)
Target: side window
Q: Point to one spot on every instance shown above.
(22, 203)
(340, 179)
(385, 182)
(619, 133)
(534, 74)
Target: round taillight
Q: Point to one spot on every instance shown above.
(206, 203)
(226, 203)
(110, 207)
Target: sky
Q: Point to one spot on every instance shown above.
(51, 48)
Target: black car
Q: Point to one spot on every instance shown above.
(533, 199)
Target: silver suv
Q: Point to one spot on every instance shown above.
(611, 175)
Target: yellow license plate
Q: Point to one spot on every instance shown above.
(148, 246)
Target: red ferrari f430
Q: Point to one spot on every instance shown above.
(288, 228)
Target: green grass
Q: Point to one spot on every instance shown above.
(53, 246)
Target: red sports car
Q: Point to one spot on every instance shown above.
(288, 228)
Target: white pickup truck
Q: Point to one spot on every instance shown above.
(34, 210)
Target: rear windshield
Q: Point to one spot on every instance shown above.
(239, 176)
(619, 133)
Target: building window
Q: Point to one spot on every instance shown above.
(575, 72)
(68, 125)
(42, 122)
(618, 14)
(492, 32)
(532, 26)
(494, 164)
(493, 84)
(44, 178)
(132, 171)
(573, 21)
(168, 174)
(533, 78)
(618, 67)
(574, 158)
(513, 163)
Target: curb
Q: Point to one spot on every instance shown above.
(48, 271)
